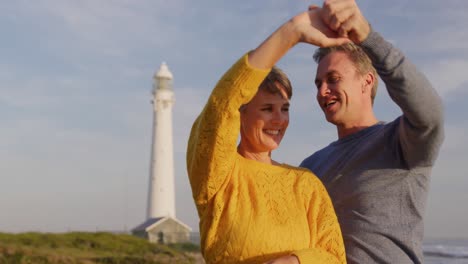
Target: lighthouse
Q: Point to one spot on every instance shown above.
(161, 194)
(161, 225)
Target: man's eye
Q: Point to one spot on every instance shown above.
(285, 109)
(266, 109)
(333, 79)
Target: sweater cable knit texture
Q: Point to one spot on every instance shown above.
(252, 212)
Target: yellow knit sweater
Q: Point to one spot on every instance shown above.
(252, 212)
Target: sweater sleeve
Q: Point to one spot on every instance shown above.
(420, 132)
(213, 138)
(326, 245)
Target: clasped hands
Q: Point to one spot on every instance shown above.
(335, 23)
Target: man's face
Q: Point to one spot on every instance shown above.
(339, 89)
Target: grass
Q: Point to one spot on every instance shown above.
(89, 248)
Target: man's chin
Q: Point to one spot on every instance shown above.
(332, 120)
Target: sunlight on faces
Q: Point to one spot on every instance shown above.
(264, 121)
(341, 91)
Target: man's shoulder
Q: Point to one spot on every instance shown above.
(315, 157)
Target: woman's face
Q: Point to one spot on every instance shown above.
(264, 121)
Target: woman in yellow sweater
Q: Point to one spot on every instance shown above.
(251, 208)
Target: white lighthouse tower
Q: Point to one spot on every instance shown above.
(161, 195)
(161, 225)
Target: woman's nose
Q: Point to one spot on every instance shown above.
(279, 116)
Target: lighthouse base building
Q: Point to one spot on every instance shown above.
(163, 230)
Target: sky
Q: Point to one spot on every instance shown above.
(75, 92)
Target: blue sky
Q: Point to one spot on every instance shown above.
(75, 91)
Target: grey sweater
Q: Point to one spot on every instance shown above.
(378, 178)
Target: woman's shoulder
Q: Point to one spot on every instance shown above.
(303, 175)
(300, 170)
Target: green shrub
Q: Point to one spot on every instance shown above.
(84, 247)
(189, 247)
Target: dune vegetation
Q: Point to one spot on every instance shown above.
(88, 248)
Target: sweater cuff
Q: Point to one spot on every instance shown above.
(244, 71)
(243, 78)
(305, 256)
(376, 47)
(314, 256)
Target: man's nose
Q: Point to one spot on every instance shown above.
(323, 89)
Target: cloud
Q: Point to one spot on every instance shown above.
(455, 142)
(35, 92)
(109, 24)
(447, 75)
(89, 170)
(430, 26)
(448, 186)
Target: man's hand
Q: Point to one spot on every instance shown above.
(345, 18)
(285, 260)
(311, 29)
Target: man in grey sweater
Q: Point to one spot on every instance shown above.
(377, 173)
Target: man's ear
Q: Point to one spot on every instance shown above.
(368, 83)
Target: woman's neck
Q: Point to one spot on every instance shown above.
(264, 157)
